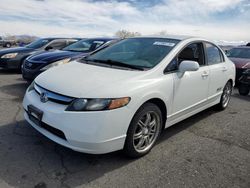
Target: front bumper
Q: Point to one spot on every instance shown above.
(89, 132)
(29, 74)
(10, 63)
(239, 72)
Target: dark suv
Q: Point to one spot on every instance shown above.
(13, 58)
(6, 43)
(244, 83)
(241, 58)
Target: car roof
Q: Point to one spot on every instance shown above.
(241, 47)
(58, 38)
(177, 37)
(101, 38)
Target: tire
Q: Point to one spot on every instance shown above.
(21, 64)
(225, 97)
(8, 45)
(243, 89)
(143, 131)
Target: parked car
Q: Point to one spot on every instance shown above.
(248, 44)
(226, 48)
(121, 97)
(6, 43)
(244, 83)
(241, 58)
(36, 64)
(13, 58)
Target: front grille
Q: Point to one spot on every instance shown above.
(32, 65)
(52, 96)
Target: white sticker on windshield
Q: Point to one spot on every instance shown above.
(170, 44)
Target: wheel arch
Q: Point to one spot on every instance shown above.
(231, 81)
(163, 107)
(22, 61)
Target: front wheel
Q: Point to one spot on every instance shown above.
(243, 89)
(225, 97)
(143, 131)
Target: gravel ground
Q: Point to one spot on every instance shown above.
(210, 149)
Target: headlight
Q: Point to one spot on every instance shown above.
(31, 87)
(9, 56)
(61, 62)
(97, 104)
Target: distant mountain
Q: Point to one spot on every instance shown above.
(231, 43)
(25, 36)
(21, 39)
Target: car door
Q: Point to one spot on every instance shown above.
(217, 68)
(190, 88)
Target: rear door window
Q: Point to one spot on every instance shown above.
(214, 55)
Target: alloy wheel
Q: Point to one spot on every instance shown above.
(146, 132)
(226, 94)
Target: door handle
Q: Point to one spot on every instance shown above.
(224, 69)
(205, 74)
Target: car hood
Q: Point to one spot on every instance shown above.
(82, 80)
(16, 50)
(241, 63)
(48, 57)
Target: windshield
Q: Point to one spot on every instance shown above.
(38, 43)
(137, 52)
(239, 53)
(86, 45)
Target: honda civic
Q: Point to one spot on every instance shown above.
(122, 97)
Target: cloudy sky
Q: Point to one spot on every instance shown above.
(227, 20)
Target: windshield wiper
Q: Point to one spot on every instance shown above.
(71, 50)
(115, 63)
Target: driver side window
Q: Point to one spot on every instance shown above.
(192, 52)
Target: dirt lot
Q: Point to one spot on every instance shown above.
(211, 149)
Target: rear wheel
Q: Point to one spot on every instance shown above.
(225, 97)
(243, 89)
(143, 131)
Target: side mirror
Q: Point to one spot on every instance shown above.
(48, 48)
(188, 66)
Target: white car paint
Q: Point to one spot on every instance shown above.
(105, 131)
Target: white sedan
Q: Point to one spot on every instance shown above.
(123, 96)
